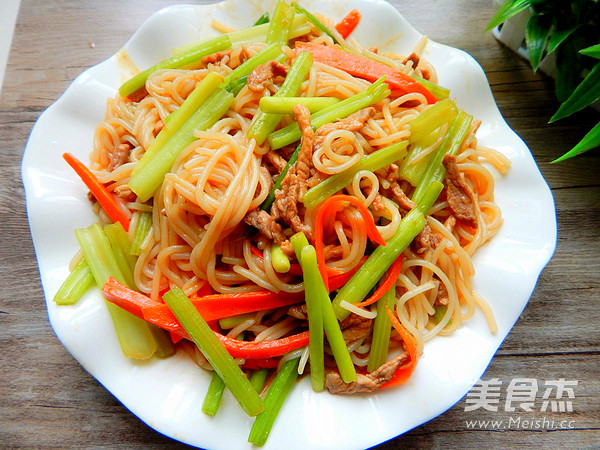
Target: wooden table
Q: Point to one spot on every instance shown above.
(48, 400)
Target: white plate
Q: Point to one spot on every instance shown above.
(167, 394)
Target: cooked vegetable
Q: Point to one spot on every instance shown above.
(223, 363)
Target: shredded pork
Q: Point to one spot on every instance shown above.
(365, 382)
(259, 79)
(461, 198)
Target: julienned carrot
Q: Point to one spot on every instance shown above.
(404, 372)
(389, 281)
(348, 23)
(365, 68)
(210, 307)
(98, 190)
(328, 209)
(264, 349)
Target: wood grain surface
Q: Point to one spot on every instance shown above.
(47, 400)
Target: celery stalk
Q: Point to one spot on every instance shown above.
(227, 323)
(143, 227)
(258, 378)
(315, 295)
(431, 194)
(435, 170)
(281, 23)
(374, 161)
(133, 333)
(212, 400)
(317, 301)
(316, 22)
(262, 19)
(382, 328)
(278, 391)
(280, 261)
(270, 53)
(146, 181)
(264, 123)
(285, 105)
(183, 59)
(440, 92)
(378, 262)
(120, 243)
(75, 285)
(179, 117)
(213, 351)
(373, 94)
(257, 33)
(423, 134)
(164, 344)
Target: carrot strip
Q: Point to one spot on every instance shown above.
(327, 212)
(389, 281)
(263, 349)
(348, 23)
(404, 372)
(365, 68)
(98, 190)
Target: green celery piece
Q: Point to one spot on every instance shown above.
(146, 181)
(213, 396)
(378, 262)
(508, 9)
(237, 85)
(433, 118)
(179, 117)
(276, 395)
(164, 344)
(120, 243)
(75, 285)
(134, 335)
(316, 22)
(258, 378)
(264, 123)
(440, 92)
(536, 35)
(262, 19)
(285, 105)
(435, 170)
(424, 132)
(323, 318)
(315, 296)
(433, 191)
(277, 185)
(257, 33)
(143, 227)
(585, 94)
(212, 349)
(280, 261)
(382, 328)
(375, 161)
(590, 140)
(227, 323)
(593, 51)
(182, 59)
(272, 52)
(373, 94)
(440, 312)
(281, 23)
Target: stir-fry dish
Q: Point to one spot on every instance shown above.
(279, 202)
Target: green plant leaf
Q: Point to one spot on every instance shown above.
(589, 141)
(593, 51)
(558, 36)
(536, 35)
(568, 68)
(585, 94)
(506, 11)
